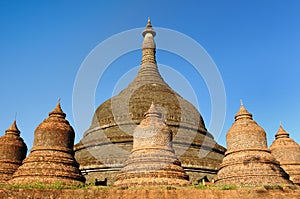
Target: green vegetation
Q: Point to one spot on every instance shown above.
(38, 185)
(200, 186)
(228, 187)
(214, 187)
(170, 188)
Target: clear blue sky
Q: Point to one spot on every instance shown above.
(255, 45)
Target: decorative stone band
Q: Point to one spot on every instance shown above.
(10, 161)
(48, 148)
(161, 148)
(249, 160)
(246, 150)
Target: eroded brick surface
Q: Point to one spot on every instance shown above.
(51, 159)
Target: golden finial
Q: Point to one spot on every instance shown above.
(241, 101)
(149, 22)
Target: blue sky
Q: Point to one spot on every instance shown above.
(255, 45)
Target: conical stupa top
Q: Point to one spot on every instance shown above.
(57, 111)
(242, 113)
(153, 112)
(281, 133)
(13, 129)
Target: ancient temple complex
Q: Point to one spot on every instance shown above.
(12, 152)
(148, 135)
(152, 161)
(248, 161)
(106, 145)
(287, 152)
(51, 159)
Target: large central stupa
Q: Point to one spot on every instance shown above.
(108, 142)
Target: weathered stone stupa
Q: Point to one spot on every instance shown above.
(287, 152)
(248, 161)
(152, 161)
(108, 142)
(51, 159)
(12, 152)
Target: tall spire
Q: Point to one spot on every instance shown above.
(148, 70)
(149, 46)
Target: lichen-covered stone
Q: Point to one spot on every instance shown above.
(51, 159)
(248, 161)
(152, 161)
(287, 152)
(12, 152)
(108, 142)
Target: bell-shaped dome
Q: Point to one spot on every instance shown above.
(245, 129)
(12, 152)
(152, 161)
(108, 141)
(51, 159)
(248, 161)
(287, 152)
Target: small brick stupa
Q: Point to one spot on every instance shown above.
(248, 161)
(12, 152)
(152, 161)
(287, 152)
(51, 159)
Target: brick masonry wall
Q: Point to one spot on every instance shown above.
(141, 194)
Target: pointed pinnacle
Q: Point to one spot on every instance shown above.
(13, 128)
